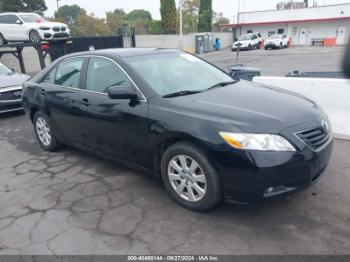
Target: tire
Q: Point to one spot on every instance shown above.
(203, 181)
(281, 46)
(250, 47)
(34, 37)
(258, 46)
(2, 40)
(41, 122)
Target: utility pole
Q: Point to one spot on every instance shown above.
(181, 24)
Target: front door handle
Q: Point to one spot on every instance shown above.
(42, 91)
(85, 102)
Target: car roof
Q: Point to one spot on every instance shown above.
(128, 52)
(17, 13)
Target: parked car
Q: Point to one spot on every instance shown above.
(277, 41)
(10, 89)
(248, 42)
(170, 113)
(30, 27)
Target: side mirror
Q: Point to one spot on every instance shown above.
(346, 61)
(122, 92)
(18, 22)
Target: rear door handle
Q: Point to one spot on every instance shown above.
(85, 102)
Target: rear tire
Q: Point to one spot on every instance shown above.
(189, 177)
(45, 133)
(34, 37)
(2, 40)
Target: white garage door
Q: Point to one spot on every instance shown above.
(341, 33)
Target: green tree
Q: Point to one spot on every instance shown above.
(190, 16)
(168, 15)
(115, 20)
(38, 6)
(205, 16)
(88, 25)
(69, 13)
(154, 27)
(138, 14)
(218, 20)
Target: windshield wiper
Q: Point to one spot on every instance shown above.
(222, 84)
(181, 93)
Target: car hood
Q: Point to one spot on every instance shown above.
(14, 79)
(48, 24)
(249, 107)
(246, 42)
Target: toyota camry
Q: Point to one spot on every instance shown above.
(169, 113)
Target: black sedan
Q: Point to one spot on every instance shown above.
(172, 114)
(10, 89)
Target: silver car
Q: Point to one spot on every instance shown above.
(10, 89)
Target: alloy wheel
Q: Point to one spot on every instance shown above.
(43, 131)
(34, 37)
(187, 178)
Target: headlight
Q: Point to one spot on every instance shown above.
(259, 142)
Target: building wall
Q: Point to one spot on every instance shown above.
(314, 30)
(172, 41)
(321, 12)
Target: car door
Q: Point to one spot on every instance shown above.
(59, 90)
(16, 29)
(116, 127)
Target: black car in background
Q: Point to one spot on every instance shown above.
(172, 114)
(10, 89)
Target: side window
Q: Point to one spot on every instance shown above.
(12, 19)
(4, 19)
(103, 74)
(68, 72)
(50, 77)
(259, 35)
(254, 37)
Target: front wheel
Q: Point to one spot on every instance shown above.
(190, 178)
(2, 40)
(34, 37)
(45, 133)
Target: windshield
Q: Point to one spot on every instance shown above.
(176, 72)
(4, 70)
(33, 18)
(245, 37)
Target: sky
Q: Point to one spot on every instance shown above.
(227, 7)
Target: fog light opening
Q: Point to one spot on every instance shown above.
(277, 190)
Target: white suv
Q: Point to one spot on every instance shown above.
(30, 27)
(248, 42)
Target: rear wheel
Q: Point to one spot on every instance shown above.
(190, 178)
(44, 132)
(2, 40)
(34, 37)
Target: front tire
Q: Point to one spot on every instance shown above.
(44, 132)
(34, 37)
(189, 177)
(2, 40)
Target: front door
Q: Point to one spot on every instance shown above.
(341, 34)
(303, 36)
(116, 127)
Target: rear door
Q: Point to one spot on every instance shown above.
(117, 127)
(59, 90)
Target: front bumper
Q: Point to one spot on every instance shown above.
(271, 45)
(252, 176)
(52, 35)
(10, 99)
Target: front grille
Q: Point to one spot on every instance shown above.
(63, 28)
(315, 137)
(56, 29)
(60, 35)
(11, 95)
